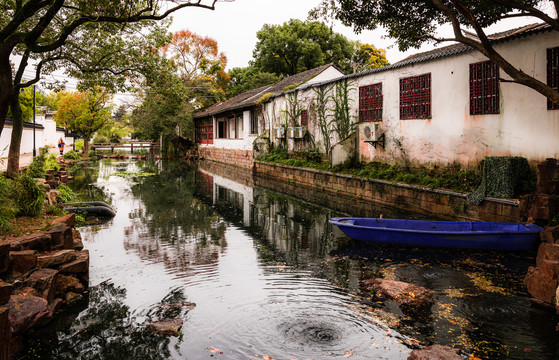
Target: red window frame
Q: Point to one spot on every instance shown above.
(370, 102)
(415, 97)
(304, 118)
(553, 74)
(205, 131)
(484, 88)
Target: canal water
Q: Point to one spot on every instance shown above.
(254, 271)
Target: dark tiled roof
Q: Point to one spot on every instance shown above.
(250, 97)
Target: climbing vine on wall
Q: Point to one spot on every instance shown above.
(341, 118)
(320, 102)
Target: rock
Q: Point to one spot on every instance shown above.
(166, 327)
(550, 234)
(40, 242)
(69, 220)
(71, 298)
(28, 311)
(435, 352)
(80, 265)
(540, 286)
(4, 256)
(5, 292)
(547, 251)
(56, 305)
(401, 292)
(52, 196)
(43, 281)
(56, 258)
(40, 182)
(78, 244)
(65, 283)
(22, 262)
(5, 333)
(62, 236)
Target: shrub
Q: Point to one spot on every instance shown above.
(72, 155)
(8, 208)
(29, 196)
(51, 162)
(66, 194)
(78, 144)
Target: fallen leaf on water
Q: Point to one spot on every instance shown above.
(214, 350)
(349, 353)
(266, 357)
(473, 358)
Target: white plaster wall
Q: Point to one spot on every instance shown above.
(246, 191)
(26, 140)
(329, 73)
(524, 126)
(237, 144)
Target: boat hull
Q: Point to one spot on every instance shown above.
(441, 234)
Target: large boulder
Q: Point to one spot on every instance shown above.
(43, 281)
(435, 352)
(40, 242)
(69, 220)
(4, 256)
(56, 258)
(5, 292)
(80, 265)
(541, 286)
(399, 291)
(5, 333)
(62, 236)
(28, 311)
(78, 243)
(22, 262)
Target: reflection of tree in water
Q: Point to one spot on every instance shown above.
(106, 330)
(173, 226)
(85, 174)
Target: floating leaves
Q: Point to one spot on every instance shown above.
(349, 353)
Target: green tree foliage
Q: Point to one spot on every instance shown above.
(248, 78)
(84, 113)
(297, 46)
(413, 23)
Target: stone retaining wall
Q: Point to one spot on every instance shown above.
(432, 203)
(241, 175)
(241, 158)
(40, 274)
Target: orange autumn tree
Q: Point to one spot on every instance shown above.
(199, 63)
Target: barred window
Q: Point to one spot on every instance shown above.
(253, 122)
(205, 131)
(415, 97)
(484, 88)
(370, 102)
(553, 74)
(304, 118)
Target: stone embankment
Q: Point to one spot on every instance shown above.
(542, 281)
(41, 273)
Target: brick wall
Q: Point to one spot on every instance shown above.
(241, 158)
(432, 203)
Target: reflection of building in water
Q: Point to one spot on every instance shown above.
(232, 199)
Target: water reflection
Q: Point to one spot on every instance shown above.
(271, 277)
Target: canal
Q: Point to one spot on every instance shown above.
(255, 271)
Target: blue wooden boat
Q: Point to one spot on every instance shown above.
(442, 234)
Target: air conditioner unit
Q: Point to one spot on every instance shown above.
(373, 135)
(290, 132)
(280, 132)
(299, 132)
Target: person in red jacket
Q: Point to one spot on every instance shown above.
(61, 146)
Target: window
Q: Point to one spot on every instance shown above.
(553, 74)
(304, 118)
(253, 122)
(415, 97)
(205, 131)
(370, 102)
(484, 88)
(221, 129)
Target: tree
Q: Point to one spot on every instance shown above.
(297, 46)
(248, 78)
(84, 113)
(413, 23)
(38, 27)
(198, 61)
(366, 57)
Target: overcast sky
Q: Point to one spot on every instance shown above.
(234, 26)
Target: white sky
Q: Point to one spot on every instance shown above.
(234, 26)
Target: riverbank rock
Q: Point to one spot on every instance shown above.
(435, 352)
(399, 291)
(43, 280)
(27, 311)
(22, 262)
(5, 333)
(542, 281)
(69, 220)
(166, 327)
(5, 292)
(56, 258)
